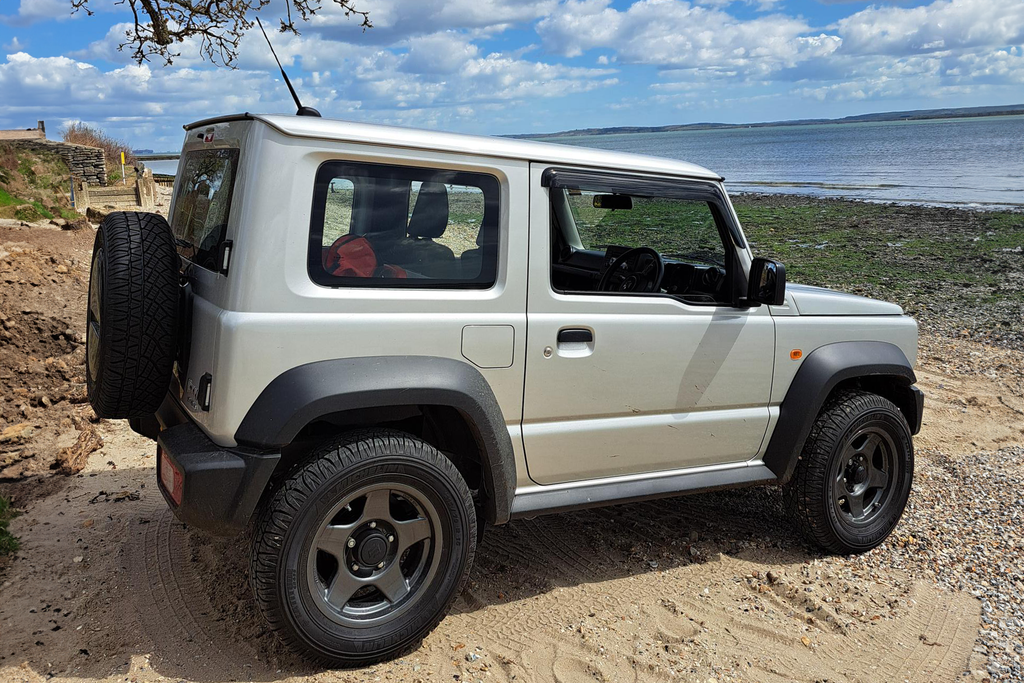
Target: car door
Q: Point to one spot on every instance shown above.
(621, 384)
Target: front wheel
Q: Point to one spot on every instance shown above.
(362, 550)
(853, 478)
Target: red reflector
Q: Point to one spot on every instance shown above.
(170, 477)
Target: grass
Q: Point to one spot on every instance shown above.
(33, 185)
(6, 199)
(672, 227)
(81, 134)
(952, 269)
(8, 543)
(872, 246)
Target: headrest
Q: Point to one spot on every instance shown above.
(430, 215)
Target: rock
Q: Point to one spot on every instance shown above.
(72, 460)
(95, 215)
(61, 269)
(18, 433)
(77, 559)
(77, 224)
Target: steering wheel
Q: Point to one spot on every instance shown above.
(643, 272)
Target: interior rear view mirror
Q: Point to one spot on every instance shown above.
(613, 201)
(767, 283)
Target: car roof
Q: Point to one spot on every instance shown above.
(312, 127)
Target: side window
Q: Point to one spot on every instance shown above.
(679, 229)
(392, 226)
(596, 232)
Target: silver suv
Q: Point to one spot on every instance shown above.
(364, 343)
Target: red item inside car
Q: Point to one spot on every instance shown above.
(353, 256)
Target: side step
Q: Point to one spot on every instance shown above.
(539, 501)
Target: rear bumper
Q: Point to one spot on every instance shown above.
(220, 487)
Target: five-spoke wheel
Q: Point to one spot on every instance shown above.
(863, 472)
(373, 550)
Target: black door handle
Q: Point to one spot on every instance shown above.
(571, 335)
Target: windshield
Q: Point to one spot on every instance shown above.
(201, 204)
(678, 229)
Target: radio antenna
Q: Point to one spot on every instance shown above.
(302, 111)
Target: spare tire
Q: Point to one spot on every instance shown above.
(132, 320)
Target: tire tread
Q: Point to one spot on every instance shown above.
(139, 315)
(803, 493)
(277, 514)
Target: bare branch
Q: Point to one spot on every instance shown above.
(218, 25)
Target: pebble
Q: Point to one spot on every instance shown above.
(962, 529)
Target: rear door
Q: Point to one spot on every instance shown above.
(204, 226)
(625, 384)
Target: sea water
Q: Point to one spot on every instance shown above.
(974, 162)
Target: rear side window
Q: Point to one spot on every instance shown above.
(394, 226)
(201, 204)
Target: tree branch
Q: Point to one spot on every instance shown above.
(218, 25)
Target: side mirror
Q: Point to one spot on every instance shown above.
(767, 284)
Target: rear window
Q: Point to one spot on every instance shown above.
(201, 204)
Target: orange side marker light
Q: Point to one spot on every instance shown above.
(796, 354)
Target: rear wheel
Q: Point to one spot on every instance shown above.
(362, 550)
(854, 475)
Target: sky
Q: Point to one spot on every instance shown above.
(524, 66)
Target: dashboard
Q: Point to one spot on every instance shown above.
(581, 270)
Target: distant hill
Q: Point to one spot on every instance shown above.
(915, 115)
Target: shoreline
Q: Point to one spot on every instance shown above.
(984, 207)
(911, 116)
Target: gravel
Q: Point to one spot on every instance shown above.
(962, 530)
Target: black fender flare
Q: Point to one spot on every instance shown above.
(821, 371)
(307, 392)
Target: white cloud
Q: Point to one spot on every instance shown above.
(999, 66)
(133, 101)
(923, 77)
(395, 20)
(673, 34)
(14, 46)
(438, 53)
(942, 25)
(761, 5)
(32, 11)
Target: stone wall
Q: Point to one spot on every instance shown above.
(86, 163)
